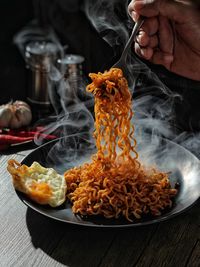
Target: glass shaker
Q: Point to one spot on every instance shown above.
(40, 56)
(73, 96)
(72, 86)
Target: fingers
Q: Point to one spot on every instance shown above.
(147, 39)
(148, 8)
(175, 10)
(150, 25)
(166, 35)
(144, 52)
(149, 49)
(155, 56)
(144, 40)
(149, 28)
(155, 41)
(162, 58)
(134, 15)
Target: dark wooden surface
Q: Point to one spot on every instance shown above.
(30, 239)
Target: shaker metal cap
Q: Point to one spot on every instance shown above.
(40, 55)
(41, 48)
(71, 59)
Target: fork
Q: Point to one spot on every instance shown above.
(121, 63)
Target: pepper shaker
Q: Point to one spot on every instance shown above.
(39, 58)
(72, 83)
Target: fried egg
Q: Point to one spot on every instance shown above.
(43, 185)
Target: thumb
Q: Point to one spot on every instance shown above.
(171, 9)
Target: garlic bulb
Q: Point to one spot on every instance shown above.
(5, 115)
(15, 115)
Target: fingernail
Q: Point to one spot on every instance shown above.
(137, 39)
(143, 52)
(134, 15)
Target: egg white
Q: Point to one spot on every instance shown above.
(39, 174)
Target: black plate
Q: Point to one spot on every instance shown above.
(65, 153)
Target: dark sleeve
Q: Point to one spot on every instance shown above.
(186, 106)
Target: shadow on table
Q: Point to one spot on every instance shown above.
(19, 147)
(75, 246)
(81, 246)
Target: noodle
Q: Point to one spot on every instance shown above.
(115, 184)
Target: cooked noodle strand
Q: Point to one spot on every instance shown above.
(115, 184)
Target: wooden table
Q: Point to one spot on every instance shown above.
(30, 239)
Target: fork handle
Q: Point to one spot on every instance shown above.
(137, 26)
(134, 33)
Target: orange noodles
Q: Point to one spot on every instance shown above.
(115, 184)
(112, 116)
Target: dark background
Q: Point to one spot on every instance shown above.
(71, 26)
(74, 29)
(13, 16)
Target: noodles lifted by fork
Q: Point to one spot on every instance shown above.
(115, 184)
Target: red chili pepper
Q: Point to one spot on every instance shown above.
(38, 134)
(10, 139)
(46, 136)
(21, 133)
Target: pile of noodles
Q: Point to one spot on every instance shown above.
(115, 184)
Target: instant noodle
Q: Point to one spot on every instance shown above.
(115, 183)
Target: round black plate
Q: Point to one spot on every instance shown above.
(67, 152)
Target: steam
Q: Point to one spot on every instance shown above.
(68, 97)
(33, 32)
(151, 112)
(105, 17)
(190, 141)
(73, 116)
(153, 102)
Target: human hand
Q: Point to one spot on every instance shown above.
(170, 35)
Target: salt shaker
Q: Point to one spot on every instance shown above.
(71, 68)
(39, 58)
(72, 85)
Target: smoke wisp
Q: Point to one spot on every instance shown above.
(153, 102)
